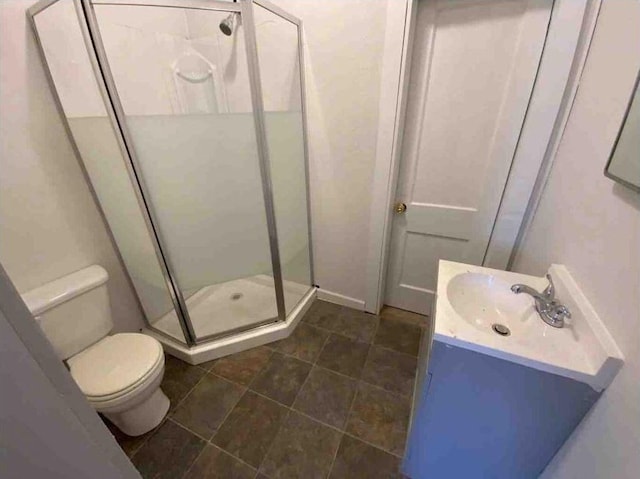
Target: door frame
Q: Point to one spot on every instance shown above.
(570, 31)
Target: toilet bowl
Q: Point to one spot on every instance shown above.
(119, 374)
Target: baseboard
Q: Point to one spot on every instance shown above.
(340, 299)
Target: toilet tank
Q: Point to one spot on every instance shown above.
(73, 311)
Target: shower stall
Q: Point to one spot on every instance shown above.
(189, 120)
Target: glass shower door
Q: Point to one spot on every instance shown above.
(182, 78)
(279, 60)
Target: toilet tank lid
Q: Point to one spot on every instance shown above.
(63, 289)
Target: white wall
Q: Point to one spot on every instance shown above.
(49, 223)
(343, 46)
(592, 225)
(344, 42)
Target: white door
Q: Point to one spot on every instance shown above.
(473, 68)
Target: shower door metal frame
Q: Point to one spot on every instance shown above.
(106, 83)
(276, 10)
(163, 262)
(102, 71)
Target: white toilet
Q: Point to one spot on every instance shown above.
(120, 374)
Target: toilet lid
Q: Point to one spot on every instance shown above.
(115, 363)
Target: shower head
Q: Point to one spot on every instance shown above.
(226, 25)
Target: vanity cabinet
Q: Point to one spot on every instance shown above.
(478, 416)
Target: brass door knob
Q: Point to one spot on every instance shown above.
(400, 208)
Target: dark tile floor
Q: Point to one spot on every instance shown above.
(331, 401)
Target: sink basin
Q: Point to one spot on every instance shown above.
(471, 300)
(484, 300)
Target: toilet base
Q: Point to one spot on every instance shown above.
(143, 417)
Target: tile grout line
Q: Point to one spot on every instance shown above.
(253, 379)
(353, 400)
(188, 393)
(146, 440)
(356, 379)
(199, 436)
(338, 430)
(386, 391)
(313, 364)
(375, 446)
(186, 472)
(226, 416)
(371, 343)
(170, 413)
(210, 441)
(224, 451)
(360, 380)
(247, 390)
(290, 408)
(352, 377)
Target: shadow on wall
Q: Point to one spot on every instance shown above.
(630, 197)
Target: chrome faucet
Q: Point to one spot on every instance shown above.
(551, 311)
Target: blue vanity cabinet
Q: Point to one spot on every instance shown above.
(478, 416)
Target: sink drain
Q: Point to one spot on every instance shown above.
(501, 329)
(236, 296)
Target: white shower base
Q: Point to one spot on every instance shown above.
(236, 342)
(232, 305)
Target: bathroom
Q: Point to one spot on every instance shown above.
(340, 306)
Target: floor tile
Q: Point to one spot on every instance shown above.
(357, 460)
(241, 367)
(390, 370)
(399, 336)
(281, 378)
(404, 316)
(322, 313)
(346, 321)
(206, 406)
(304, 343)
(344, 355)
(327, 397)
(168, 453)
(380, 418)
(303, 448)
(214, 463)
(250, 428)
(179, 378)
(129, 444)
(358, 325)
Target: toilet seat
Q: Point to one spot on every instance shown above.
(116, 367)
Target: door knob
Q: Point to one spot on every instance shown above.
(400, 207)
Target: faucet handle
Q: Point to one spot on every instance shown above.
(550, 291)
(558, 314)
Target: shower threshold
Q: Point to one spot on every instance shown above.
(233, 305)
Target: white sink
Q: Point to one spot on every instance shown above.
(483, 300)
(472, 299)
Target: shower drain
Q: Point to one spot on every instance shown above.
(236, 296)
(501, 329)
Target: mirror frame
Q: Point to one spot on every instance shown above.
(608, 174)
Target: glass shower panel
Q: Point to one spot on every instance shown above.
(184, 88)
(75, 84)
(279, 61)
